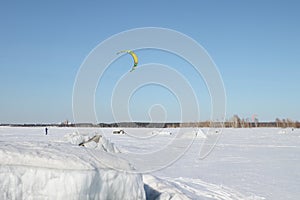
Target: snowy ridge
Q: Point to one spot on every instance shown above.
(35, 170)
(55, 156)
(20, 182)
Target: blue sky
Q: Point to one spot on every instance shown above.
(255, 44)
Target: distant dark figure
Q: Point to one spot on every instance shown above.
(46, 130)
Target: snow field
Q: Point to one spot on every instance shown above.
(256, 163)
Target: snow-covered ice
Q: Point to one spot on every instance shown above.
(256, 163)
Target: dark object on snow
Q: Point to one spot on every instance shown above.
(96, 139)
(46, 130)
(119, 132)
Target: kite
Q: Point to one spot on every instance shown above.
(134, 56)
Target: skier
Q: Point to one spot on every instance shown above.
(46, 130)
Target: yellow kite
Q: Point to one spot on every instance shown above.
(134, 56)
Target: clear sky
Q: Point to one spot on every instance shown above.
(255, 44)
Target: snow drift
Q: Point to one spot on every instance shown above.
(31, 170)
(92, 141)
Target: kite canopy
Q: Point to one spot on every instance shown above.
(134, 56)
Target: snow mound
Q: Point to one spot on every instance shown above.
(108, 146)
(76, 138)
(92, 141)
(37, 170)
(200, 134)
(192, 134)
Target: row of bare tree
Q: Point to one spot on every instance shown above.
(237, 122)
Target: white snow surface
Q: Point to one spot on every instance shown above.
(33, 167)
(256, 163)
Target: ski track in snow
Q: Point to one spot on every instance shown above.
(198, 188)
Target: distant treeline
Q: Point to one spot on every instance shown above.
(104, 125)
(235, 123)
(241, 125)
